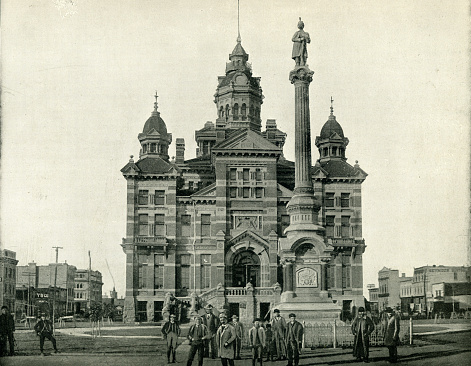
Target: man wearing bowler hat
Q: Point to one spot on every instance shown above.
(294, 338)
(239, 332)
(171, 332)
(212, 323)
(278, 326)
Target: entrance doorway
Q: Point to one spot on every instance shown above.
(265, 311)
(234, 309)
(246, 268)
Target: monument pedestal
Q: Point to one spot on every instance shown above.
(316, 311)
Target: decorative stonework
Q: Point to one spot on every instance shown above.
(306, 277)
(302, 74)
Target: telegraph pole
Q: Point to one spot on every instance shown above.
(89, 287)
(55, 283)
(28, 307)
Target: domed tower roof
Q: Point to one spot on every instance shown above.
(155, 122)
(154, 138)
(331, 142)
(331, 127)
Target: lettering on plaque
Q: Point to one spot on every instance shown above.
(306, 277)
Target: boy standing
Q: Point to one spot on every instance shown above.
(257, 340)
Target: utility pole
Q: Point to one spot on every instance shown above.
(89, 287)
(29, 274)
(55, 283)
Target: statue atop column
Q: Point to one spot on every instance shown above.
(300, 39)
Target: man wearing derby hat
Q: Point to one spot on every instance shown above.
(197, 334)
(171, 332)
(278, 326)
(7, 327)
(362, 327)
(239, 332)
(294, 338)
(391, 334)
(43, 329)
(212, 323)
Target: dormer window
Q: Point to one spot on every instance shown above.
(153, 147)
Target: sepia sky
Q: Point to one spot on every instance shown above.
(78, 79)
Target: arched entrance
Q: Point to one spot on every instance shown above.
(246, 268)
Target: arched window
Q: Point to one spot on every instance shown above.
(334, 150)
(326, 151)
(246, 268)
(243, 111)
(144, 148)
(235, 111)
(153, 146)
(221, 112)
(227, 110)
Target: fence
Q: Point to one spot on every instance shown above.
(320, 335)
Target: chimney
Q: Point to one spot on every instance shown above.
(180, 151)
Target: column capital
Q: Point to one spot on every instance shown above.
(301, 74)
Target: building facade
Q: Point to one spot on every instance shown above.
(213, 229)
(87, 289)
(8, 274)
(390, 285)
(35, 283)
(426, 276)
(373, 298)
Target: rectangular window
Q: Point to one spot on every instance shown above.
(258, 175)
(191, 185)
(455, 276)
(142, 275)
(185, 271)
(159, 198)
(186, 225)
(345, 200)
(205, 225)
(346, 267)
(205, 270)
(233, 174)
(258, 192)
(143, 225)
(233, 192)
(246, 192)
(329, 199)
(284, 223)
(159, 271)
(345, 226)
(329, 226)
(159, 228)
(246, 174)
(143, 198)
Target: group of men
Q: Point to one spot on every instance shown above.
(43, 329)
(363, 326)
(214, 336)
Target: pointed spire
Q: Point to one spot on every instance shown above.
(155, 112)
(331, 106)
(239, 40)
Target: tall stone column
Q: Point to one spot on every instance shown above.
(303, 207)
(288, 278)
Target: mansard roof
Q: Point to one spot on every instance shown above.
(155, 165)
(341, 169)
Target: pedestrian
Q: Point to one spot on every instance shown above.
(362, 327)
(225, 337)
(391, 334)
(197, 334)
(170, 332)
(278, 326)
(43, 329)
(270, 343)
(212, 323)
(257, 341)
(7, 327)
(294, 338)
(239, 332)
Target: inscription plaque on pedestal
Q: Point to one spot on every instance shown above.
(306, 277)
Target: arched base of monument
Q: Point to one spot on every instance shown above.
(311, 312)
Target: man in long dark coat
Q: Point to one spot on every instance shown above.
(7, 327)
(278, 326)
(362, 327)
(391, 334)
(212, 323)
(294, 338)
(171, 332)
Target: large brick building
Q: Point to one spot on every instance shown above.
(208, 229)
(8, 275)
